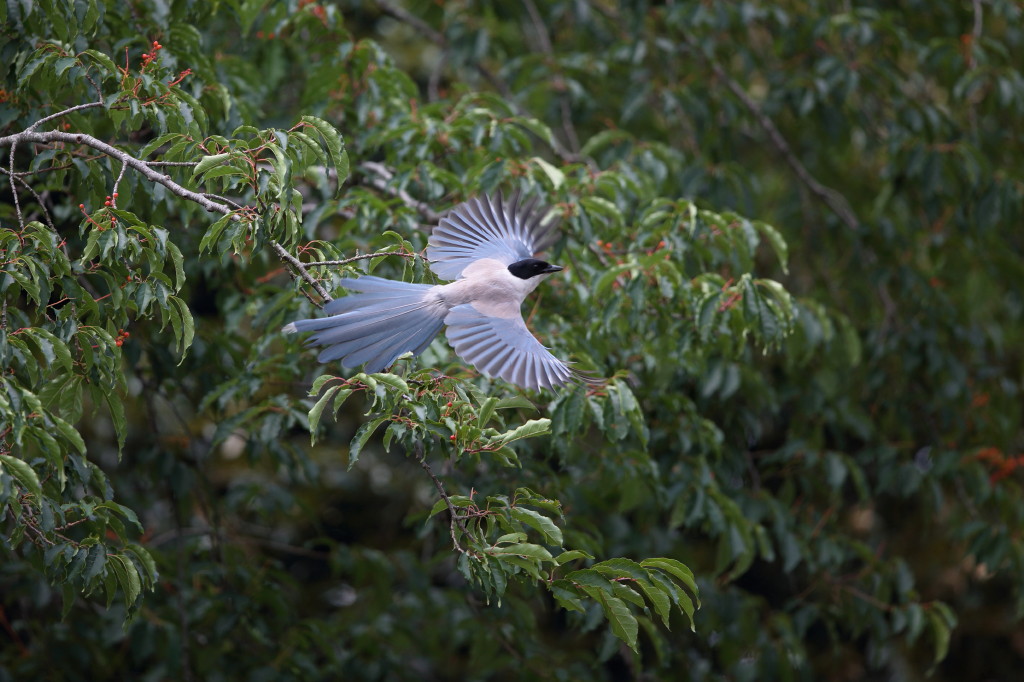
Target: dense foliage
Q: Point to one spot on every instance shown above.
(791, 247)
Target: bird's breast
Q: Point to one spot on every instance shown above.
(489, 287)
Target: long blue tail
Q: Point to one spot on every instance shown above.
(373, 327)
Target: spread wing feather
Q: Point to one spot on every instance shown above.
(503, 347)
(507, 231)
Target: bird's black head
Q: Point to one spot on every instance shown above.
(531, 267)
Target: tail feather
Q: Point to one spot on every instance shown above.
(383, 320)
(383, 353)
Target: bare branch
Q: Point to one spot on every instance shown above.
(833, 199)
(65, 112)
(117, 183)
(301, 269)
(141, 166)
(14, 188)
(365, 256)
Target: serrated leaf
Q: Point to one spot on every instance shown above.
(677, 569)
(623, 623)
(552, 533)
(534, 427)
(525, 549)
(361, 437)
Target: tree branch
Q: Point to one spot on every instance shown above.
(833, 199)
(141, 166)
(298, 267)
(145, 169)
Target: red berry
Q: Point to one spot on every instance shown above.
(449, 404)
(115, 195)
(451, 437)
(127, 334)
(81, 206)
(119, 342)
(106, 203)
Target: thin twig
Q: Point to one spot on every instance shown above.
(421, 457)
(365, 256)
(39, 199)
(65, 112)
(833, 199)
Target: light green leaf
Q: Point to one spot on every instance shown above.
(24, 474)
(552, 533)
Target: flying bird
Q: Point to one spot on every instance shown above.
(488, 248)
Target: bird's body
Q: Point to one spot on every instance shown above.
(487, 249)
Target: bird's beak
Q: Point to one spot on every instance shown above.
(551, 268)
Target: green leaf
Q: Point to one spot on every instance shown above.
(623, 623)
(208, 162)
(556, 176)
(777, 242)
(335, 146)
(524, 549)
(659, 599)
(24, 474)
(534, 427)
(317, 410)
(677, 569)
(361, 437)
(486, 411)
(571, 555)
(552, 533)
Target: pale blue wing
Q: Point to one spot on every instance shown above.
(503, 347)
(507, 231)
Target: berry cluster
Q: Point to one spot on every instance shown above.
(121, 336)
(148, 57)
